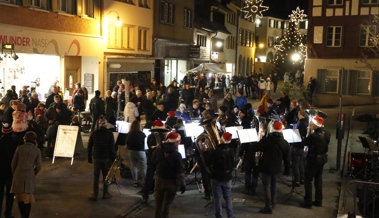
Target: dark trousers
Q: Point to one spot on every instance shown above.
(205, 178)
(149, 181)
(94, 122)
(100, 165)
(261, 93)
(297, 163)
(275, 86)
(251, 175)
(5, 184)
(248, 89)
(269, 189)
(313, 171)
(165, 191)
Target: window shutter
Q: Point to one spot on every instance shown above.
(55, 5)
(320, 81)
(79, 7)
(374, 84)
(352, 83)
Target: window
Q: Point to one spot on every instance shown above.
(245, 38)
(167, 13)
(201, 40)
(187, 18)
(363, 82)
(143, 3)
(270, 42)
(368, 2)
(231, 42)
(88, 8)
(127, 1)
(143, 39)
(67, 6)
(334, 2)
(330, 81)
(120, 37)
(231, 18)
(303, 25)
(366, 33)
(35, 3)
(333, 36)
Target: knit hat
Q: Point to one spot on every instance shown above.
(318, 121)
(171, 114)
(277, 127)
(226, 137)
(158, 126)
(269, 101)
(7, 129)
(102, 121)
(223, 108)
(172, 137)
(303, 113)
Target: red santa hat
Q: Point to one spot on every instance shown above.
(277, 127)
(172, 137)
(171, 114)
(226, 137)
(158, 124)
(318, 121)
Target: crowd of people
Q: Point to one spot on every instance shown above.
(23, 114)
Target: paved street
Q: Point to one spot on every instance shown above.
(62, 189)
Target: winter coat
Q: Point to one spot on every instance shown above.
(7, 149)
(26, 164)
(241, 102)
(130, 112)
(229, 103)
(21, 120)
(101, 145)
(262, 84)
(275, 150)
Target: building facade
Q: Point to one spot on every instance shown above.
(337, 51)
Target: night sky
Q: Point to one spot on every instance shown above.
(283, 8)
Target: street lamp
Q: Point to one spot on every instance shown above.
(295, 57)
(118, 21)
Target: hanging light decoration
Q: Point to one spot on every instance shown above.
(297, 15)
(254, 9)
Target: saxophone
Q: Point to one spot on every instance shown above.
(207, 141)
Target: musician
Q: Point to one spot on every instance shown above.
(221, 163)
(231, 120)
(182, 112)
(197, 110)
(159, 113)
(169, 171)
(317, 143)
(221, 119)
(245, 120)
(292, 116)
(101, 151)
(171, 119)
(160, 129)
(297, 149)
(275, 150)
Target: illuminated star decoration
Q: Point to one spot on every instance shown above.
(297, 16)
(254, 9)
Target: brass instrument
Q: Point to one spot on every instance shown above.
(113, 170)
(208, 141)
(261, 133)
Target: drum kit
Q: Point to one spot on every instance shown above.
(365, 166)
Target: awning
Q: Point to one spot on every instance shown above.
(207, 67)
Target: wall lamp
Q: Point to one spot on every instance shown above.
(6, 46)
(118, 21)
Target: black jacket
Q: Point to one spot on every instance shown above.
(101, 145)
(7, 149)
(136, 142)
(168, 163)
(317, 142)
(275, 150)
(220, 162)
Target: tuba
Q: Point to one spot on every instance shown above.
(207, 142)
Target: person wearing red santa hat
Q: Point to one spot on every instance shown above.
(275, 149)
(169, 170)
(221, 164)
(317, 143)
(160, 129)
(171, 119)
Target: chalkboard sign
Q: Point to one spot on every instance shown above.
(66, 141)
(88, 82)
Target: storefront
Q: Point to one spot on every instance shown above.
(37, 58)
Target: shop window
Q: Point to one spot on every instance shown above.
(366, 33)
(201, 40)
(333, 36)
(187, 18)
(167, 13)
(120, 37)
(143, 39)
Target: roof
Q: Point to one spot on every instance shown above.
(207, 67)
(209, 26)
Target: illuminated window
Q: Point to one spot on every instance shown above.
(143, 39)
(333, 36)
(120, 37)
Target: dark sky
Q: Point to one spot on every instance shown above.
(283, 8)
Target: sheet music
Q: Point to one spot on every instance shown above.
(193, 129)
(247, 135)
(122, 126)
(292, 135)
(233, 130)
(182, 151)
